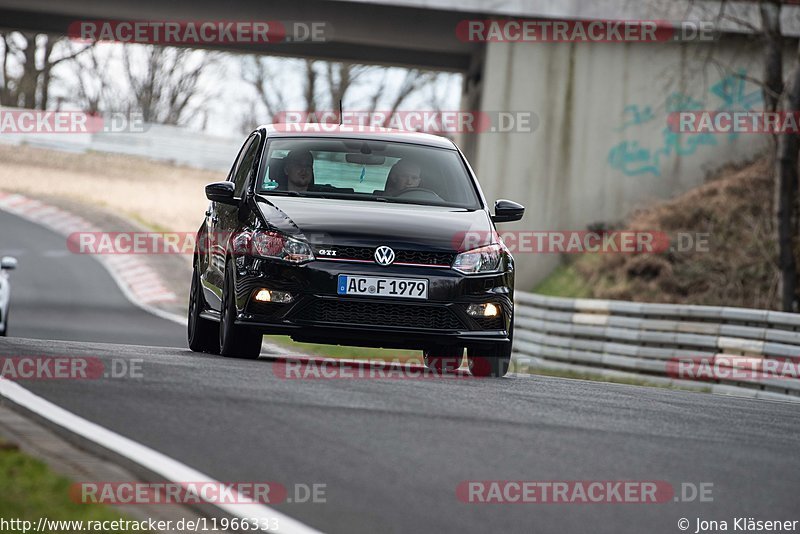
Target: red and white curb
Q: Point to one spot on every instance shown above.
(138, 281)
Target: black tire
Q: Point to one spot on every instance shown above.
(4, 331)
(444, 360)
(235, 341)
(489, 362)
(492, 361)
(202, 334)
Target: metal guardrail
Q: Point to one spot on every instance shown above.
(737, 351)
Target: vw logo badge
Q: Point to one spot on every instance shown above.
(384, 255)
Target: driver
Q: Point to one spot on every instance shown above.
(299, 169)
(403, 175)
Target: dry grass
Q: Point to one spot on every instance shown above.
(163, 196)
(739, 268)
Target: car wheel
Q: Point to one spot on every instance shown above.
(235, 341)
(443, 360)
(489, 363)
(202, 334)
(5, 328)
(492, 361)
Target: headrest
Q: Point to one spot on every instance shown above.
(276, 173)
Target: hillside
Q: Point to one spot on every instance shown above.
(738, 267)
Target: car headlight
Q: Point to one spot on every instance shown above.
(480, 260)
(275, 245)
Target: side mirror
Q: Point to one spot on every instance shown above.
(8, 263)
(221, 192)
(507, 211)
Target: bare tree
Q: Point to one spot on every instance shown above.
(164, 83)
(34, 56)
(414, 81)
(784, 96)
(762, 18)
(260, 76)
(341, 77)
(770, 11)
(323, 85)
(96, 88)
(779, 95)
(787, 97)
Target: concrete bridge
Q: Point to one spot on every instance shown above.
(602, 147)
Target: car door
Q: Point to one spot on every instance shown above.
(222, 219)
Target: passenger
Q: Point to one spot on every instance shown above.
(298, 165)
(403, 175)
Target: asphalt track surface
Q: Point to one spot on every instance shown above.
(56, 294)
(392, 452)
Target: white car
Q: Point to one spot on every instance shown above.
(6, 264)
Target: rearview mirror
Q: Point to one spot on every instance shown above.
(507, 211)
(8, 263)
(221, 192)
(365, 159)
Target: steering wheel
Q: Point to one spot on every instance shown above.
(412, 192)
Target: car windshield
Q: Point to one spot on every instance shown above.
(368, 170)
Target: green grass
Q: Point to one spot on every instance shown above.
(564, 281)
(29, 490)
(355, 353)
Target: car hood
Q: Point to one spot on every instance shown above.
(364, 223)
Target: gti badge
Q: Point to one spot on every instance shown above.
(384, 255)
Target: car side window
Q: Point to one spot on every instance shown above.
(245, 165)
(238, 160)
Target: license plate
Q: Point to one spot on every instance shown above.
(413, 288)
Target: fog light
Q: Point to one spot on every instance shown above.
(270, 295)
(483, 310)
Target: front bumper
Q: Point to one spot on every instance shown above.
(319, 314)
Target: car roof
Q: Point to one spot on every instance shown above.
(356, 132)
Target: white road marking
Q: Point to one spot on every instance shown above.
(156, 462)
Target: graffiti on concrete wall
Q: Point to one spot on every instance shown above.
(731, 93)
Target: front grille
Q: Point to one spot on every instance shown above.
(401, 256)
(379, 314)
(426, 258)
(351, 253)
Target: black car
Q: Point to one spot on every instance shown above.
(354, 237)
